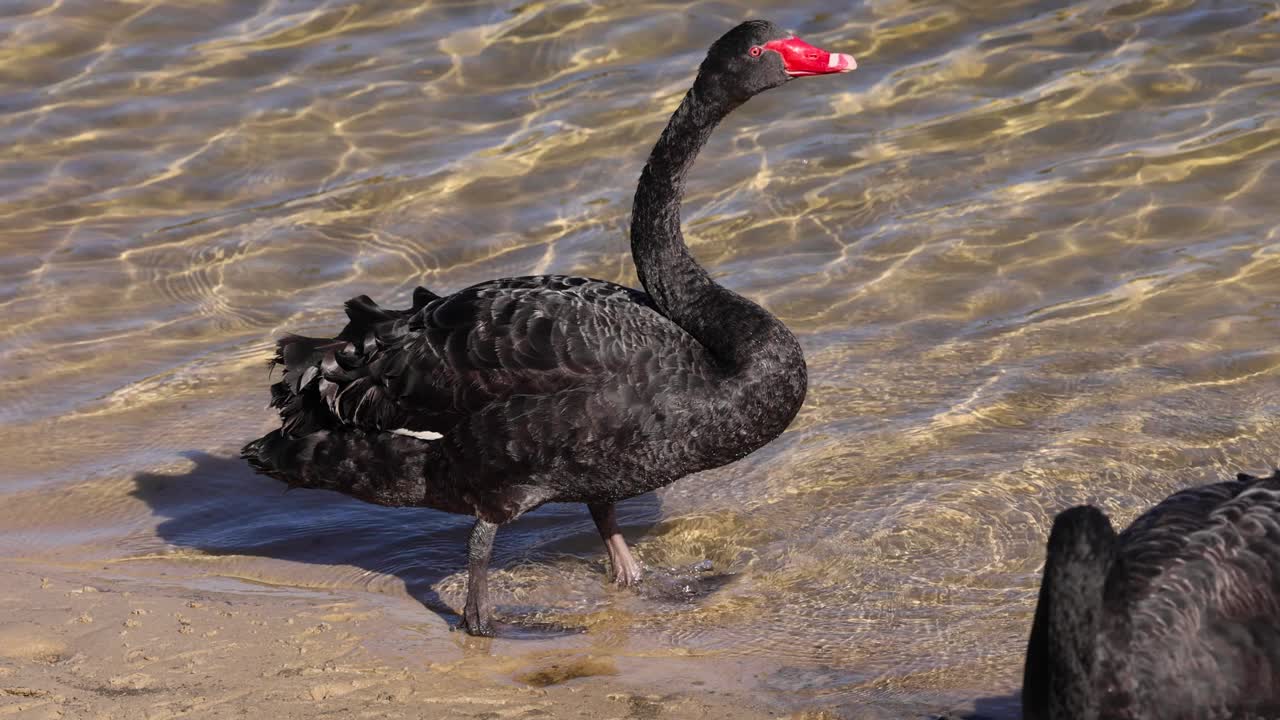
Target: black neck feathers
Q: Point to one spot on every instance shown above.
(735, 330)
(1062, 653)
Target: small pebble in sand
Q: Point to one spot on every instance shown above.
(395, 694)
(134, 681)
(325, 691)
(142, 656)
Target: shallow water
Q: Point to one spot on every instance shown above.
(1031, 250)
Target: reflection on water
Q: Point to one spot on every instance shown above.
(1030, 249)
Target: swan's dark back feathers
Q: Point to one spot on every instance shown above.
(1165, 532)
(1193, 607)
(508, 341)
(541, 388)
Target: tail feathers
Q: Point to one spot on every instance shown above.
(365, 316)
(379, 468)
(300, 357)
(289, 459)
(272, 454)
(301, 409)
(329, 381)
(422, 296)
(368, 319)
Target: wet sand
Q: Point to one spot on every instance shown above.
(76, 642)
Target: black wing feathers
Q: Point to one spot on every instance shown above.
(447, 358)
(1197, 622)
(1168, 530)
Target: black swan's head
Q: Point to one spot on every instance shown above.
(758, 55)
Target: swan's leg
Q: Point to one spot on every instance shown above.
(514, 501)
(477, 617)
(626, 571)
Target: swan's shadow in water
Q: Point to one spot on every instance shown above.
(1006, 707)
(927, 705)
(221, 507)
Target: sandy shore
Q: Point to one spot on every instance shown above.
(79, 643)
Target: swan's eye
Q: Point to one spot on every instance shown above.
(755, 51)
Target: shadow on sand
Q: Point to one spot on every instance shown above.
(221, 507)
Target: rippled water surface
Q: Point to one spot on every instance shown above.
(1031, 250)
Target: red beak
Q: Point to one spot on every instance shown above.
(801, 59)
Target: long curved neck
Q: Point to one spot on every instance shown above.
(727, 324)
(1062, 652)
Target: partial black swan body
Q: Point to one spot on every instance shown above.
(1176, 618)
(522, 391)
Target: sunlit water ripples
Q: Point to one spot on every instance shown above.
(1030, 249)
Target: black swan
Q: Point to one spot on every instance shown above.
(1176, 618)
(522, 391)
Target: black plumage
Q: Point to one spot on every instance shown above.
(1176, 618)
(529, 390)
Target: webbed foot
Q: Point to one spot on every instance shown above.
(625, 569)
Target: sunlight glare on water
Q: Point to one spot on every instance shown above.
(1030, 249)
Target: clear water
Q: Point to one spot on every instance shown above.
(1031, 250)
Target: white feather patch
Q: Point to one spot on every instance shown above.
(420, 434)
